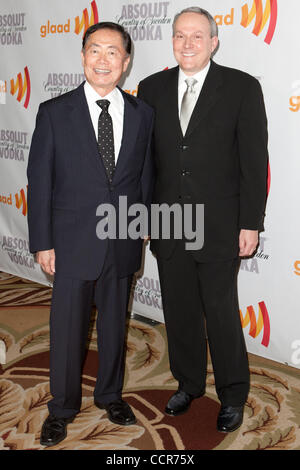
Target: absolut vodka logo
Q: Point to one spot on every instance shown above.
(58, 83)
(12, 27)
(145, 21)
(14, 145)
(147, 292)
(18, 251)
(253, 264)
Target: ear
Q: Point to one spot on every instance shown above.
(214, 43)
(126, 63)
(82, 58)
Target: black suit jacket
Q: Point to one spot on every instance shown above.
(67, 182)
(221, 161)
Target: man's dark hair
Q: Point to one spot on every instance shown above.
(113, 27)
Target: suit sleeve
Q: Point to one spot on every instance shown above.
(253, 141)
(40, 182)
(147, 178)
(141, 93)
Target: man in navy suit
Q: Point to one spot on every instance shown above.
(90, 146)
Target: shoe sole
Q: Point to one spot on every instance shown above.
(122, 424)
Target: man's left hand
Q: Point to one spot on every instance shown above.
(248, 242)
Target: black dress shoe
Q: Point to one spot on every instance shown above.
(230, 418)
(119, 412)
(54, 430)
(179, 403)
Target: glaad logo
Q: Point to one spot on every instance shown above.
(295, 98)
(23, 86)
(81, 25)
(297, 267)
(21, 201)
(261, 17)
(256, 326)
(167, 222)
(3, 91)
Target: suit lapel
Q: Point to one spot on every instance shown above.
(168, 106)
(210, 93)
(131, 124)
(82, 123)
(83, 129)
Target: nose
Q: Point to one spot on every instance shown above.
(187, 42)
(102, 59)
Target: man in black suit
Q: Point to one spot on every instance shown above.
(90, 146)
(210, 147)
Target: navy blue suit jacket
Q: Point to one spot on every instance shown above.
(67, 182)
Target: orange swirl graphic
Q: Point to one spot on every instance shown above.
(21, 201)
(261, 17)
(22, 86)
(256, 325)
(85, 22)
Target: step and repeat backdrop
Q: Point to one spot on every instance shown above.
(40, 43)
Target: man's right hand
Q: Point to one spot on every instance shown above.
(46, 260)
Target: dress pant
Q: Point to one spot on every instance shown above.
(71, 307)
(200, 302)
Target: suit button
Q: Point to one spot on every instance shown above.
(185, 173)
(185, 147)
(111, 188)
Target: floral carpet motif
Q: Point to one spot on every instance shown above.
(272, 412)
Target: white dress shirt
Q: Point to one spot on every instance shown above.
(199, 76)
(116, 110)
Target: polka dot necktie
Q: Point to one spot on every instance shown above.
(106, 139)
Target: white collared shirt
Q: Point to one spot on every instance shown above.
(199, 76)
(116, 110)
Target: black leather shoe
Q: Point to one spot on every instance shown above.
(119, 412)
(54, 430)
(230, 418)
(179, 403)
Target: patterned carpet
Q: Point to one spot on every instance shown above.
(272, 414)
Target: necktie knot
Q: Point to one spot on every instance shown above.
(104, 104)
(190, 83)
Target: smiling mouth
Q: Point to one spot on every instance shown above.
(102, 71)
(186, 54)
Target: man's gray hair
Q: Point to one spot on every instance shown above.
(200, 11)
